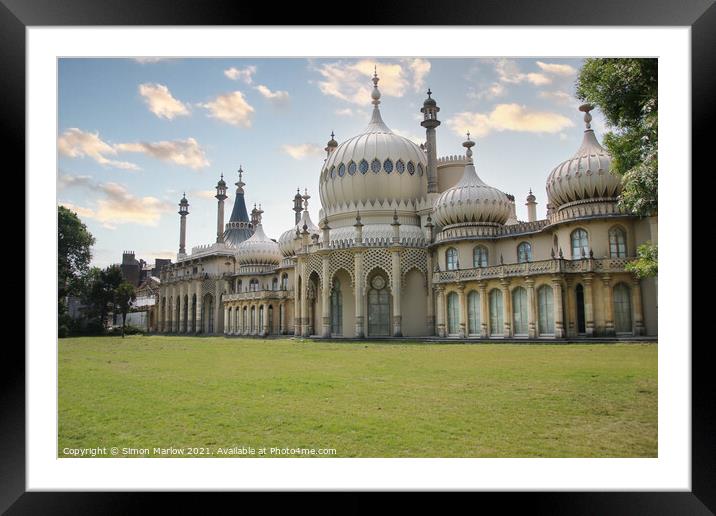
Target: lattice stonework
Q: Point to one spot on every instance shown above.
(208, 287)
(377, 258)
(413, 259)
(314, 263)
(342, 260)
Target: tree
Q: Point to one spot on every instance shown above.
(74, 253)
(626, 92)
(101, 289)
(124, 297)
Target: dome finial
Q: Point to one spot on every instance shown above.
(586, 108)
(375, 94)
(468, 144)
(429, 93)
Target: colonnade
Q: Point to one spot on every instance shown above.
(261, 318)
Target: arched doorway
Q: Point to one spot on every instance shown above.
(378, 306)
(193, 313)
(473, 314)
(581, 324)
(496, 314)
(453, 310)
(336, 308)
(207, 315)
(545, 304)
(519, 312)
(622, 309)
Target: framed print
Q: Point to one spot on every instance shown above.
(422, 252)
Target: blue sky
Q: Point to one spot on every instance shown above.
(134, 134)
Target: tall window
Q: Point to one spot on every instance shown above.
(453, 313)
(519, 311)
(261, 319)
(496, 320)
(473, 313)
(238, 286)
(336, 309)
(274, 284)
(580, 244)
(254, 285)
(479, 256)
(284, 282)
(622, 309)
(545, 303)
(451, 259)
(524, 252)
(617, 243)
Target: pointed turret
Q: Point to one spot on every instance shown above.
(239, 227)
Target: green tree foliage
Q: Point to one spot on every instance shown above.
(646, 263)
(74, 253)
(124, 296)
(100, 291)
(626, 91)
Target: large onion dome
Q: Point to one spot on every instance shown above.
(286, 241)
(258, 250)
(586, 176)
(373, 171)
(471, 200)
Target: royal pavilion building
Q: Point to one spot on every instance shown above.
(410, 244)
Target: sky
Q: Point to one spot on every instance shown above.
(135, 134)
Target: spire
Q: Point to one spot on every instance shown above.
(297, 205)
(376, 124)
(586, 108)
(240, 183)
(305, 198)
(375, 95)
(468, 144)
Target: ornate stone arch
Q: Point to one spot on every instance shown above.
(373, 258)
(341, 260)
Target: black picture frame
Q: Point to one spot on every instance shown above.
(700, 15)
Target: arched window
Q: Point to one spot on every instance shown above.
(524, 252)
(261, 319)
(239, 285)
(519, 311)
(254, 285)
(496, 320)
(580, 244)
(284, 282)
(336, 309)
(253, 320)
(545, 303)
(617, 243)
(274, 284)
(479, 256)
(622, 309)
(473, 313)
(451, 261)
(453, 309)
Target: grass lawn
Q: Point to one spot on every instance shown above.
(361, 399)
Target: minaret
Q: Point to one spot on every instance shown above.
(221, 197)
(531, 207)
(239, 227)
(183, 212)
(254, 216)
(331, 145)
(430, 122)
(259, 213)
(298, 205)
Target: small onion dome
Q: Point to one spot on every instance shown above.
(471, 200)
(586, 175)
(531, 197)
(332, 143)
(221, 181)
(258, 250)
(429, 102)
(286, 240)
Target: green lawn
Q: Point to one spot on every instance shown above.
(361, 399)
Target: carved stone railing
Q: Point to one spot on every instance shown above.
(255, 295)
(556, 266)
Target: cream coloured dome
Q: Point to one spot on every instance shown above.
(471, 200)
(586, 175)
(286, 241)
(375, 170)
(258, 250)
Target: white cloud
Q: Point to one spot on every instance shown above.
(410, 136)
(119, 206)
(275, 97)
(558, 96)
(76, 143)
(490, 92)
(508, 71)
(203, 194)
(557, 69)
(344, 112)
(161, 102)
(231, 108)
(508, 117)
(241, 74)
(182, 152)
(351, 81)
(302, 150)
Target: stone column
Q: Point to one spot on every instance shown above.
(441, 310)
(558, 309)
(305, 325)
(463, 310)
(531, 309)
(175, 319)
(608, 305)
(326, 296)
(218, 307)
(226, 319)
(182, 308)
(484, 312)
(396, 288)
(359, 296)
(588, 304)
(282, 317)
(506, 307)
(571, 322)
(430, 318)
(266, 329)
(296, 301)
(199, 301)
(636, 306)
